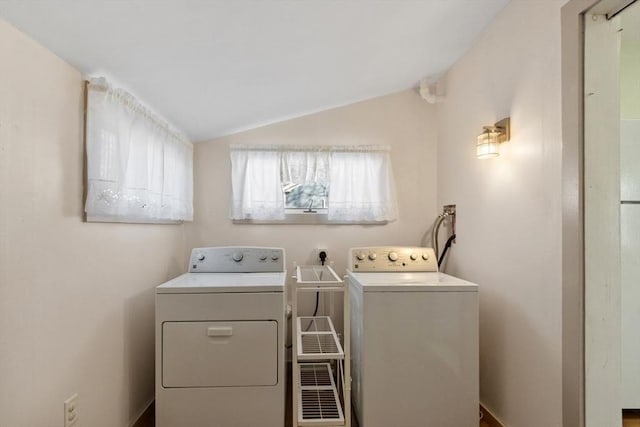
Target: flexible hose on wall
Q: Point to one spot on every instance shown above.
(434, 232)
(446, 248)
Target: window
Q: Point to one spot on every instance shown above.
(138, 168)
(306, 198)
(345, 183)
(305, 175)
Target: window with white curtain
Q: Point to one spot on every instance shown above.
(139, 169)
(348, 184)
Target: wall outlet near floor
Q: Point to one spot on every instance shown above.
(71, 410)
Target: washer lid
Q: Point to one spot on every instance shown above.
(206, 283)
(410, 282)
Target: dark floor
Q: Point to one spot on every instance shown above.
(147, 419)
(631, 418)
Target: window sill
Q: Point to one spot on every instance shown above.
(306, 219)
(128, 221)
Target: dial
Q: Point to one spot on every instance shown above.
(200, 257)
(275, 257)
(393, 256)
(360, 256)
(413, 256)
(237, 256)
(425, 256)
(373, 256)
(263, 257)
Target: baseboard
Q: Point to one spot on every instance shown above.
(489, 418)
(144, 414)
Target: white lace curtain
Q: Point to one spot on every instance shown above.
(305, 167)
(256, 184)
(362, 186)
(360, 178)
(138, 168)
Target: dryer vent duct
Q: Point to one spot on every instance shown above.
(432, 89)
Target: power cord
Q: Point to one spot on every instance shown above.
(323, 257)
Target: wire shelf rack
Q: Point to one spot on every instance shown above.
(318, 339)
(318, 399)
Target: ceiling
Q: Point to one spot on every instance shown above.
(215, 67)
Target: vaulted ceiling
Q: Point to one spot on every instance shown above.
(215, 67)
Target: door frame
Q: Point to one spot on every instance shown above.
(573, 279)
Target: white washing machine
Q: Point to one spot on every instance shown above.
(414, 340)
(220, 340)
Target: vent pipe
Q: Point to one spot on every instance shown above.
(432, 89)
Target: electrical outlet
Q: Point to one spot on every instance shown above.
(321, 249)
(71, 410)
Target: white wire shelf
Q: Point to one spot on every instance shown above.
(318, 401)
(319, 398)
(317, 339)
(317, 276)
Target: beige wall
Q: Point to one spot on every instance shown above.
(509, 208)
(76, 299)
(402, 120)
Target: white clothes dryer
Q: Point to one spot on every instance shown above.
(220, 340)
(414, 340)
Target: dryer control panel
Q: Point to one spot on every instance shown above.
(237, 259)
(392, 259)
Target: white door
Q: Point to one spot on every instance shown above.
(630, 204)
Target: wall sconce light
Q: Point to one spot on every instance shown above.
(489, 140)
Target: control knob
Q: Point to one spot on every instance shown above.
(373, 256)
(360, 256)
(275, 257)
(413, 257)
(237, 256)
(263, 257)
(200, 257)
(393, 256)
(425, 257)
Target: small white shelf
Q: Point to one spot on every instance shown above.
(318, 400)
(317, 339)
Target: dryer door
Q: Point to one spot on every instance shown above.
(219, 354)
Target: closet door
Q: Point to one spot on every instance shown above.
(630, 260)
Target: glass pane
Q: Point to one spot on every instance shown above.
(306, 196)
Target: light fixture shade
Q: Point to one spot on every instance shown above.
(488, 144)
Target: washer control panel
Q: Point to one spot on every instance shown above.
(236, 259)
(392, 258)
